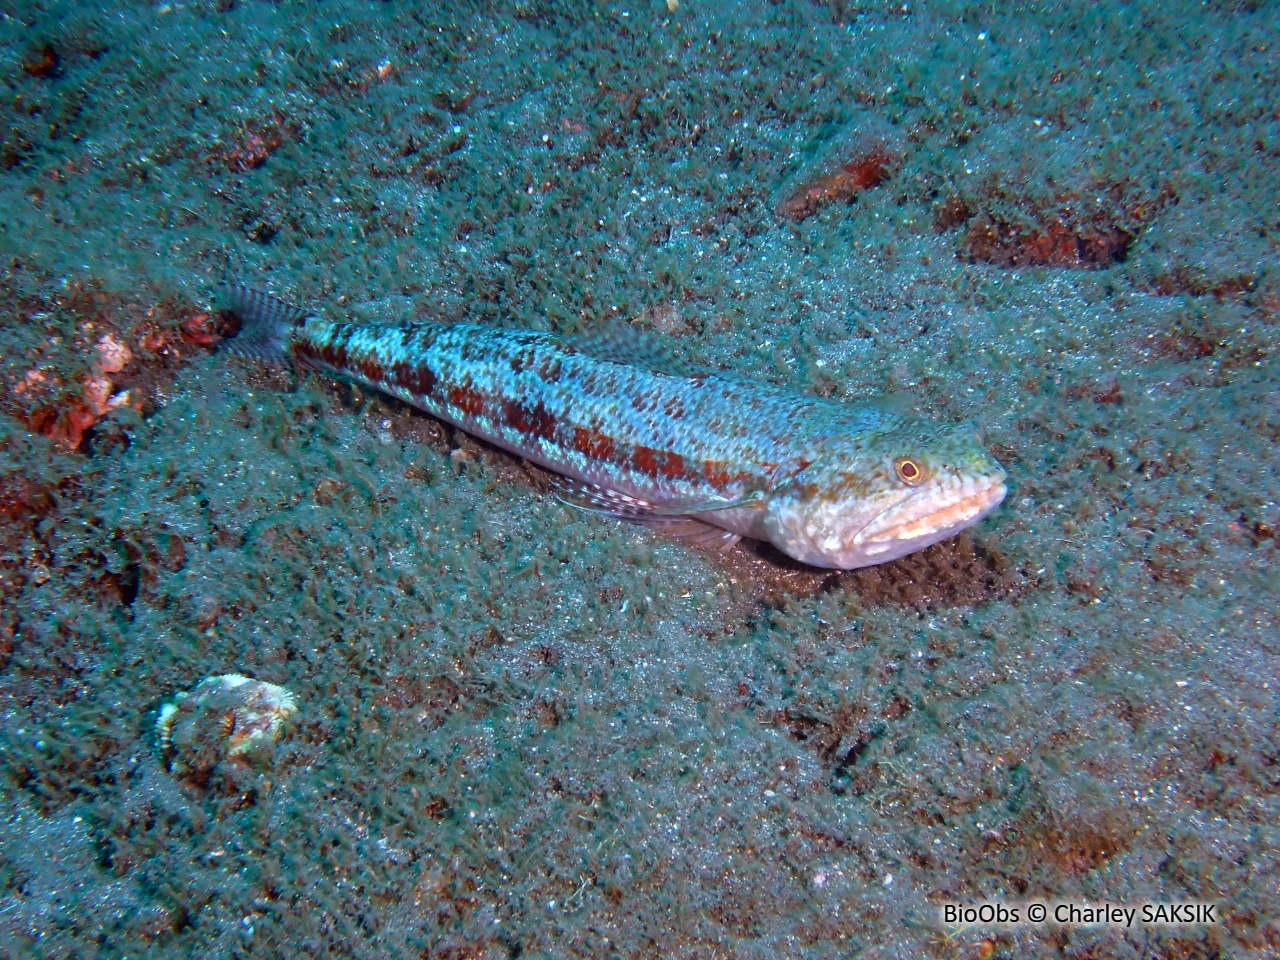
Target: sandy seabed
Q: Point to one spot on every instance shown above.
(525, 731)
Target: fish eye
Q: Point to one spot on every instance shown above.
(909, 471)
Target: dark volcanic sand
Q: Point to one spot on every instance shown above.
(527, 731)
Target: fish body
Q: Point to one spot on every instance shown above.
(638, 435)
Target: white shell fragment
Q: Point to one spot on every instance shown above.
(228, 717)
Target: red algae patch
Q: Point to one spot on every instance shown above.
(863, 156)
(1074, 230)
(1053, 243)
(42, 61)
(24, 502)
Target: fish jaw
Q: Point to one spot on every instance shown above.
(926, 518)
(855, 510)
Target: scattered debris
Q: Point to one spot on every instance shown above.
(42, 61)
(225, 718)
(258, 142)
(101, 354)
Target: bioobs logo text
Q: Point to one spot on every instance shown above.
(955, 914)
(1069, 914)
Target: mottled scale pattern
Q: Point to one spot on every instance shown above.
(664, 437)
(637, 434)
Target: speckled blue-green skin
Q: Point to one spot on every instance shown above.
(682, 443)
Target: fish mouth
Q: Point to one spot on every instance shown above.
(930, 515)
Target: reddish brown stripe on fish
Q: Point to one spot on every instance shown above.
(673, 468)
(417, 378)
(594, 444)
(468, 401)
(532, 421)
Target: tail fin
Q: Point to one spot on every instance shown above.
(267, 325)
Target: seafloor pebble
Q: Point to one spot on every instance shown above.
(229, 717)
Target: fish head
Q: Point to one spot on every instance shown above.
(878, 496)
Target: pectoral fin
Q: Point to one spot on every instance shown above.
(671, 518)
(588, 496)
(694, 531)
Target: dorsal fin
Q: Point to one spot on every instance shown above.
(618, 343)
(897, 404)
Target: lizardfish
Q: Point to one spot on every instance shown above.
(638, 435)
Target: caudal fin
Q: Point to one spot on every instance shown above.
(267, 324)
